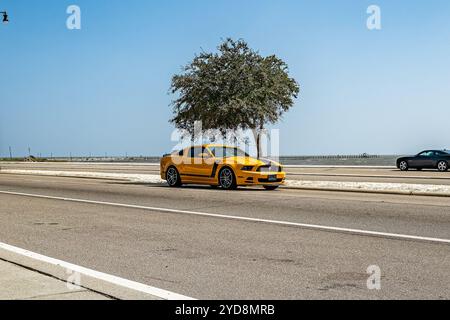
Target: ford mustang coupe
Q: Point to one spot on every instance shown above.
(220, 166)
(431, 159)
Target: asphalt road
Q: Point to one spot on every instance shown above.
(208, 257)
(364, 174)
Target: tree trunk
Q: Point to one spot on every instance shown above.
(257, 135)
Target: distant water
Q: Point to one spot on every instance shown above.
(341, 160)
(344, 160)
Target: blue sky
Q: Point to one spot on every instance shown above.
(104, 88)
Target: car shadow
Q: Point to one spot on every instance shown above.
(191, 187)
(423, 170)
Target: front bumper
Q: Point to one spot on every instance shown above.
(251, 178)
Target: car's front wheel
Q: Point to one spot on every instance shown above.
(442, 166)
(227, 179)
(403, 166)
(173, 177)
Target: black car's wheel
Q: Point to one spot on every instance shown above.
(173, 177)
(403, 165)
(227, 179)
(271, 187)
(442, 166)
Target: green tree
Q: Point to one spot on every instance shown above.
(234, 88)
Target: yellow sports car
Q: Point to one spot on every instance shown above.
(220, 166)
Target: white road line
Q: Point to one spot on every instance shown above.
(230, 217)
(160, 293)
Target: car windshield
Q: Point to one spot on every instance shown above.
(226, 152)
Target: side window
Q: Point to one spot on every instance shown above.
(181, 153)
(196, 152)
(217, 152)
(427, 154)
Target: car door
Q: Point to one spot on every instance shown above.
(424, 160)
(198, 168)
(415, 161)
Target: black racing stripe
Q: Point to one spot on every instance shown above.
(214, 170)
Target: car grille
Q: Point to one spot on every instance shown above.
(269, 168)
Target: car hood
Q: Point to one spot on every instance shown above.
(249, 161)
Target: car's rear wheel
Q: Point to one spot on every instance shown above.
(173, 177)
(442, 166)
(227, 179)
(403, 166)
(271, 187)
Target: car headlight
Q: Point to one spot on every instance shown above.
(247, 168)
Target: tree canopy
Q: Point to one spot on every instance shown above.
(233, 88)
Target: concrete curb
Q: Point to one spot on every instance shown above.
(404, 193)
(104, 288)
(344, 175)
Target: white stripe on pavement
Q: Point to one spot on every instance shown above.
(160, 293)
(230, 217)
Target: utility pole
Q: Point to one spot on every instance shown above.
(29, 151)
(10, 153)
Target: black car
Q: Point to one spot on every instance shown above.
(430, 159)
